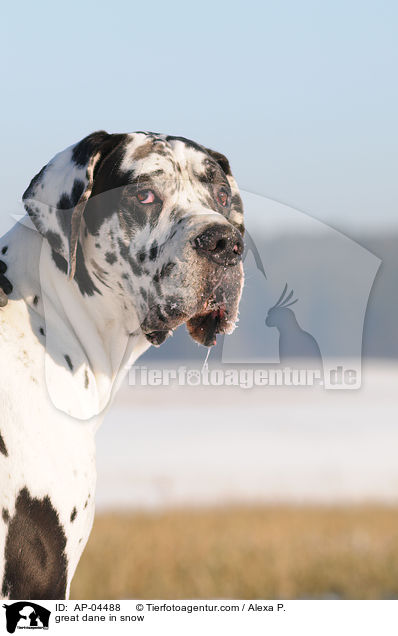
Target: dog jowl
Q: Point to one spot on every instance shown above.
(149, 222)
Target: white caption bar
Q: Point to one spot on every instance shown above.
(193, 617)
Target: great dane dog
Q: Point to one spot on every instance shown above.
(126, 237)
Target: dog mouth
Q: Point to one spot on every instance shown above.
(217, 315)
(203, 327)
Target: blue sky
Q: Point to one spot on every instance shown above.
(301, 96)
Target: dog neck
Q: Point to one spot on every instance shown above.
(87, 348)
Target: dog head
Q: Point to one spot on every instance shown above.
(155, 220)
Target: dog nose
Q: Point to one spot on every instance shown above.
(222, 244)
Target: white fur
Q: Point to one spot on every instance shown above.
(48, 450)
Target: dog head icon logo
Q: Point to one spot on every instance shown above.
(26, 615)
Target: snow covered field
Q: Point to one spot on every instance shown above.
(189, 446)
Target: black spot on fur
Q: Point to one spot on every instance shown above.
(77, 190)
(143, 293)
(35, 300)
(157, 285)
(42, 331)
(86, 504)
(6, 515)
(125, 254)
(68, 361)
(85, 379)
(4, 250)
(153, 252)
(65, 202)
(5, 285)
(141, 257)
(167, 269)
(3, 448)
(73, 515)
(35, 561)
(82, 277)
(110, 258)
(59, 261)
(55, 240)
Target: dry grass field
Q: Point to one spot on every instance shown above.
(243, 552)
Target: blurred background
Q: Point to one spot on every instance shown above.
(269, 492)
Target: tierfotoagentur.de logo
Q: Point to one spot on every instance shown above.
(26, 615)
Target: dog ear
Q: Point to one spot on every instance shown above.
(236, 210)
(56, 197)
(221, 160)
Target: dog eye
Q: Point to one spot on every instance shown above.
(146, 196)
(222, 197)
